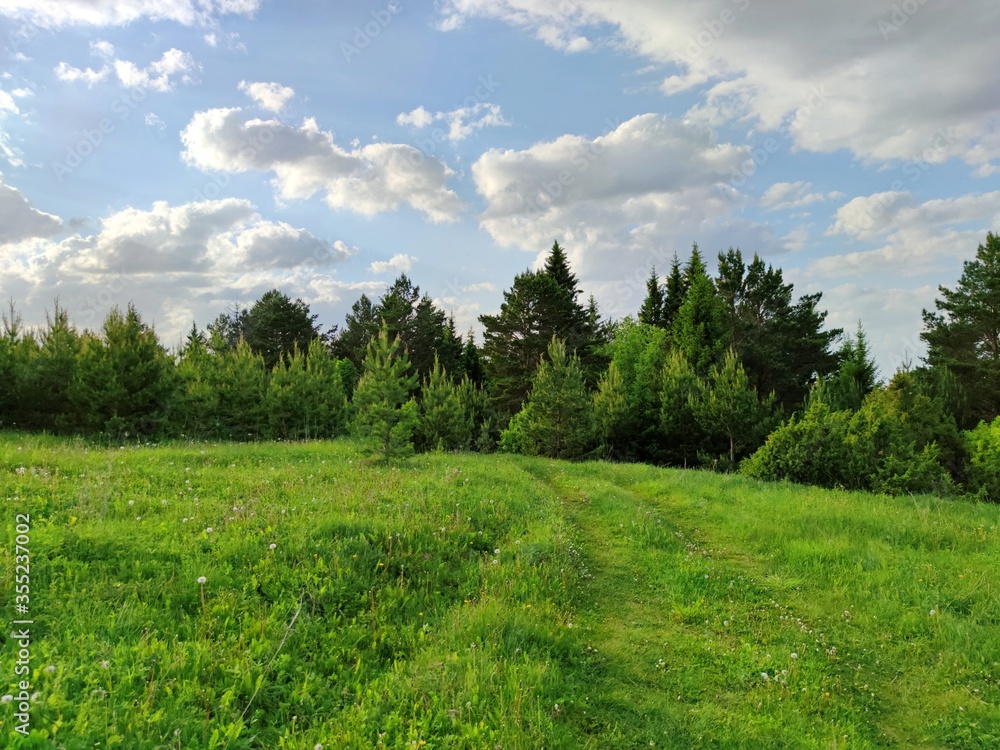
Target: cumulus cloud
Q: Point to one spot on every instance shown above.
(782, 66)
(20, 221)
(306, 160)
(462, 122)
(270, 96)
(918, 238)
(399, 263)
(122, 12)
(217, 251)
(788, 195)
(69, 74)
(159, 75)
(624, 200)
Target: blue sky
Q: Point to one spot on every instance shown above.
(190, 154)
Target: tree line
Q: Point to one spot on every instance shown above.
(730, 371)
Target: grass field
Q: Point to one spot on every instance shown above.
(485, 601)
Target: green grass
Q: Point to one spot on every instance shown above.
(627, 606)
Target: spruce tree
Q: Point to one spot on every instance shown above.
(386, 414)
(558, 419)
(652, 312)
(242, 381)
(674, 293)
(196, 400)
(444, 423)
(53, 372)
(699, 329)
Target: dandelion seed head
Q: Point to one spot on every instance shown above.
(202, 579)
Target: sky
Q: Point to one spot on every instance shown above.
(189, 155)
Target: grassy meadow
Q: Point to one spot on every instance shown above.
(486, 601)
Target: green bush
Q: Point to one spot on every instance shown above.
(983, 467)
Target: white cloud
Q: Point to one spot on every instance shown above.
(155, 121)
(462, 122)
(20, 221)
(305, 160)
(269, 96)
(102, 48)
(788, 195)
(211, 39)
(122, 12)
(484, 286)
(216, 251)
(620, 203)
(918, 239)
(69, 74)
(399, 263)
(781, 66)
(159, 74)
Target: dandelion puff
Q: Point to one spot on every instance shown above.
(794, 655)
(272, 545)
(7, 698)
(208, 530)
(317, 746)
(202, 579)
(131, 502)
(50, 669)
(105, 664)
(933, 612)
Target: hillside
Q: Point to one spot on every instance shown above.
(481, 601)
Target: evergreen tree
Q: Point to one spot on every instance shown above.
(52, 373)
(195, 408)
(241, 384)
(124, 379)
(558, 420)
(699, 329)
(386, 414)
(537, 307)
(964, 333)
(729, 406)
(679, 388)
(652, 312)
(17, 352)
(472, 361)
(674, 293)
(444, 422)
(611, 411)
(780, 342)
(361, 326)
(694, 269)
(275, 325)
(481, 414)
(857, 376)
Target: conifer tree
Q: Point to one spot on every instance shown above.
(611, 409)
(699, 329)
(195, 410)
(558, 419)
(124, 379)
(679, 387)
(386, 414)
(728, 406)
(242, 380)
(53, 372)
(857, 376)
(652, 312)
(444, 423)
(674, 293)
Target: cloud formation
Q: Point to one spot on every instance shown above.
(306, 160)
(461, 122)
(270, 96)
(122, 12)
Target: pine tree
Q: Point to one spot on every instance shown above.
(652, 312)
(241, 382)
(17, 352)
(53, 372)
(964, 333)
(472, 361)
(361, 326)
(679, 386)
(124, 379)
(274, 325)
(444, 423)
(195, 408)
(558, 419)
(611, 409)
(386, 415)
(728, 405)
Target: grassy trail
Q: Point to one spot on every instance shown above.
(697, 639)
